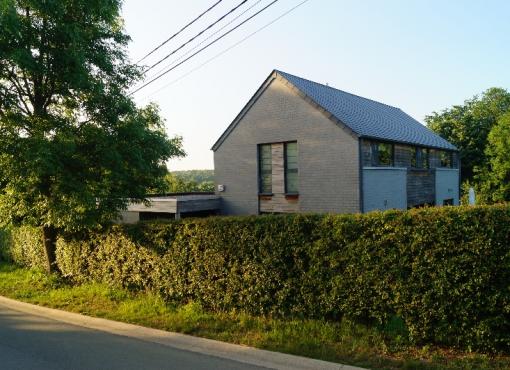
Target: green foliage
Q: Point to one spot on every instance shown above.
(190, 181)
(199, 176)
(345, 341)
(22, 245)
(5, 244)
(467, 126)
(494, 179)
(434, 275)
(74, 148)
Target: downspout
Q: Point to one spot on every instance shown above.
(360, 175)
(459, 165)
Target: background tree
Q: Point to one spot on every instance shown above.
(74, 148)
(198, 176)
(494, 179)
(190, 181)
(467, 126)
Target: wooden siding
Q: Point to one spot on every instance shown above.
(403, 155)
(366, 153)
(420, 187)
(177, 204)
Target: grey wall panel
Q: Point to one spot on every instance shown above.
(447, 185)
(384, 188)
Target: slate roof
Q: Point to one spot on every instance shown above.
(368, 118)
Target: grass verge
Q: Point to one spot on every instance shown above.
(345, 342)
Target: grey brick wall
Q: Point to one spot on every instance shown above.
(328, 154)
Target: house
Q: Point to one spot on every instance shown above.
(300, 146)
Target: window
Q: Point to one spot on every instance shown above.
(445, 159)
(448, 202)
(382, 154)
(265, 169)
(420, 158)
(291, 168)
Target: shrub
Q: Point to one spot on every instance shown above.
(444, 272)
(22, 246)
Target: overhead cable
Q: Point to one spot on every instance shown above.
(226, 50)
(178, 32)
(207, 38)
(196, 36)
(203, 48)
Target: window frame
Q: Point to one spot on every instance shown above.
(449, 158)
(374, 147)
(261, 171)
(421, 161)
(448, 202)
(286, 169)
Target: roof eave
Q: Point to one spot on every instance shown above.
(409, 143)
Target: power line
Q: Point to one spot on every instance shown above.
(178, 32)
(207, 38)
(202, 49)
(197, 35)
(226, 50)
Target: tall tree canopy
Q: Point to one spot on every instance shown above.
(74, 148)
(494, 179)
(467, 126)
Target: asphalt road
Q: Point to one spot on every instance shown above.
(31, 342)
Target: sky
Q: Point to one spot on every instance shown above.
(421, 56)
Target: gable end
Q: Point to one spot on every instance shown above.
(273, 76)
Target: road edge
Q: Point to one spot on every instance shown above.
(210, 347)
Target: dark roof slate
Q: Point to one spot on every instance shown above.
(368, 118)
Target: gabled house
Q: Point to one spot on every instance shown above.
(300, 146)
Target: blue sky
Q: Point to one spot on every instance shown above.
(421, 56)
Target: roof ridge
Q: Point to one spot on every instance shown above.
(334, 88)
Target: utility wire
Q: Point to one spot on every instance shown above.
(178, 32)
(207, 38)
(205, 47)
(197, 35)
(226, 50)
(202, 49)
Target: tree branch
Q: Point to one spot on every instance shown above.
(19, 91)
(27, 87)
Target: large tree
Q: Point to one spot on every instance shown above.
(494, 179)
(74, 148)
(467, 126)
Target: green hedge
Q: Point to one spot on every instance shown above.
(23, 246)
(444, 271)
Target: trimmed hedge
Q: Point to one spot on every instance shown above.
(22, 245)
(444, 271)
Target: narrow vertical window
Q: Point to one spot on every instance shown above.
(446, 159)
(424, 158)
(265, 169)
(291, 168)
(421, 158)
(382, 154)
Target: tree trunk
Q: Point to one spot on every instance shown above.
(50, 246)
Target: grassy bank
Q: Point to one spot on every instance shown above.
(345, 342)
